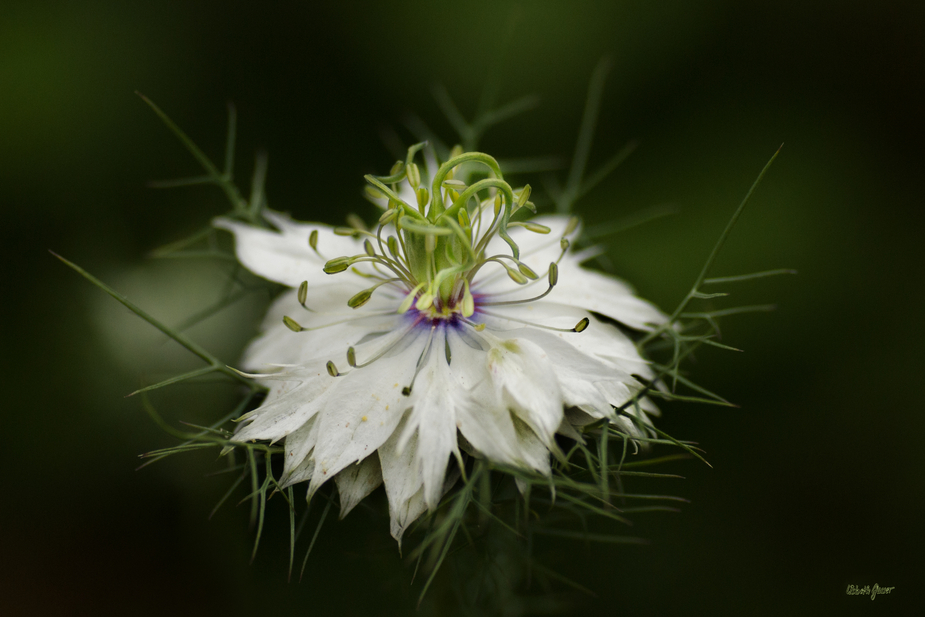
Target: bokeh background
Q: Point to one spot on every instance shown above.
(817, 478)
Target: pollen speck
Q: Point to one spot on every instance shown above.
(363, 419)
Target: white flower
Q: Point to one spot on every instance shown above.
(459, 347)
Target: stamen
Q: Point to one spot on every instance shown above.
(581, 326)
(363, 297)
(313, 241)
(406, 303)
(332, 370)
(406, 391)
(293, 325)
(352, 356)
(553, 278)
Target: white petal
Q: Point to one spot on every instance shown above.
(603, 294)
(356, 482)
(362, 411)
(299, 445)
(432, 420)
(285, 256)
(280, 345)
(525, 380)
(403, 481)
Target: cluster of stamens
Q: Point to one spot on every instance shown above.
(433, 249)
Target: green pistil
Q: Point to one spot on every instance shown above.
(433, 251)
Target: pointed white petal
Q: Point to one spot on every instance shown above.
(525, 380)
(432, 421)
(356, 482)
(363, 411)
(285, 256)
(403, 481)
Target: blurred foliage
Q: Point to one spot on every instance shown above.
(814, 479)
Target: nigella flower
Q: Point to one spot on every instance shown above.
(467, 332)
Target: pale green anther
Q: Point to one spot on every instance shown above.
(332, 370)
(425, 301)
(553, 274)
(497, 204)
(338, 264)
(397, 168)
(526, 271)
(456, 151)
(313, 240)
(406, 303)
(464, 220)
(387, 216)
(392, 243)
(456, 185)
(423, 196)
(292, 325)
(351, 357)
(572, 224)
(564, 244)
(468, 306)
(516, 276)
(582, 325)
(356, 222)
(372, 192)
(361, 298)
(368, 247)
(536, 228)
(345, 231)
(414, 175)
(523, 196)
(451, 195)
(303, 292)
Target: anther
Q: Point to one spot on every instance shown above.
(414, 175)
(425, 301)
(313, 240)
(536, 228)
(352, 357)
(406, 303)
(360, 298)
(468, 306)
(356, 222)
(368, 247)
(523, 197)
(526, 271)
(292, 325)
(572, 224)
(303, 293)
(392, 243)
(423, 196)
(516, 276)
(553, 278)
(332, 370)
(338, 264)
(373, 193)
(582, 325)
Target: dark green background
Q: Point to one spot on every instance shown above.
(816, 480)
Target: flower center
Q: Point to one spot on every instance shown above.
(431, 244)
